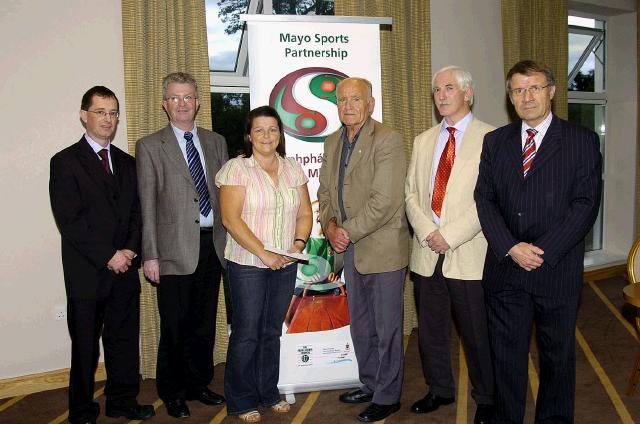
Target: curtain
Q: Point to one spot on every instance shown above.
(160, 37)
(538, 30)
(406, 78)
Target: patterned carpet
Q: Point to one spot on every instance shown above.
(607, 346)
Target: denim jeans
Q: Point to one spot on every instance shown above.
(260, 298)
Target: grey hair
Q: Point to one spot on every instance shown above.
(462, 76)
(178, 77)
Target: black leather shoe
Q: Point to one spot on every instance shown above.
(177, 408)
(205, 396)
(430, 403)
(376, 412)
(484, 413)
(356, 396)
(136, 412)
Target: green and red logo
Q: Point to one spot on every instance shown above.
(307, 86)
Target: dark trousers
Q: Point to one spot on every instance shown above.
(117, 319)
(188, 306)
(512, 312)
(260, 297)
(437, 297)
(376, 315)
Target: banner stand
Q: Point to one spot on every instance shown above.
(295, 64)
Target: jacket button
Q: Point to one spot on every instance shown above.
(520, 214)
(197, 221)
(195, 200)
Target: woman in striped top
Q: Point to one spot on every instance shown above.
(265, 203)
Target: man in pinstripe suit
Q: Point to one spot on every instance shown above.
(537, 195)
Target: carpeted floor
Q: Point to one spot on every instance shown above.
(606, 349)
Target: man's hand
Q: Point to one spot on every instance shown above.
(152, 270)
(338, 237)
(437, 243)
(119, 262)
(129, 253)
(528, 256)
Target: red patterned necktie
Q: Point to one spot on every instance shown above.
(104, 159)
(444, 170)
(529, 151)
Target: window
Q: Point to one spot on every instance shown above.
(228, 60)
(587, 95)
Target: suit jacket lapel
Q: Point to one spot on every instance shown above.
(91, 163)
(172, 150)
(466, 151)
(550, 144)
(513, 148)
(211, 161)
(365, 139)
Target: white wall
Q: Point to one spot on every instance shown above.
(469, 34)
(621, 130)
(52, 52)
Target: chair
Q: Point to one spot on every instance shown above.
(631, 294)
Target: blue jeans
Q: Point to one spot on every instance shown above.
(260, 298)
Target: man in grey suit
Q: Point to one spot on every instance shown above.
(362, 214)
(183, 243)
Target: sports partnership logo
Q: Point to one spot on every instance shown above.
(307, 86)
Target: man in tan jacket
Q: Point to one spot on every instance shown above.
(362, 214)
(449, 248)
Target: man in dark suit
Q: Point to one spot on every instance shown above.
(362, 214)
(537, 195)
(94, 200)
(183, 243)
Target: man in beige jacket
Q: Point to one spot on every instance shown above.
(362, 215)
(449, 248)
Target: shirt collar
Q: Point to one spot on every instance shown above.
(180, 134)
(460, 126)
(95, 146)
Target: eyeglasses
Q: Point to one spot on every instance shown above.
(186, 99)
(103, 114)
(534, 89)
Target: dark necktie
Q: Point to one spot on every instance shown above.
(104, 160)
(197, 173)
(444, 170)
(529, 151)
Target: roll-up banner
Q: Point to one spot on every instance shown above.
(295, 64)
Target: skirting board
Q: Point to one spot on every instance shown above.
(33, 383)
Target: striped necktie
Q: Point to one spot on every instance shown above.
(197, 173)
(529, 151)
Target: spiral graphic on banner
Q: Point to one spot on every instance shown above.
(305, 86)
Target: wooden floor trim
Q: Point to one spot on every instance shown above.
(33, 383)
(606, 272)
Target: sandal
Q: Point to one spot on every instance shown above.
(281, 407)
(250, 417)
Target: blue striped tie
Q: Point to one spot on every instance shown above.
(197, 173)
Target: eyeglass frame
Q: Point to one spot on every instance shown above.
(104, 114)
(186, 99)
(534, 89)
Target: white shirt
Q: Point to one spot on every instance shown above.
(443, 137)
(541, 128)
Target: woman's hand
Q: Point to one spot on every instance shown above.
(273, 260)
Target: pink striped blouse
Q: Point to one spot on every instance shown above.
(269, 211)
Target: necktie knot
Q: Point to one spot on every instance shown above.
(104, 154)
(188, 136)
(531, 132)
(452, 131)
